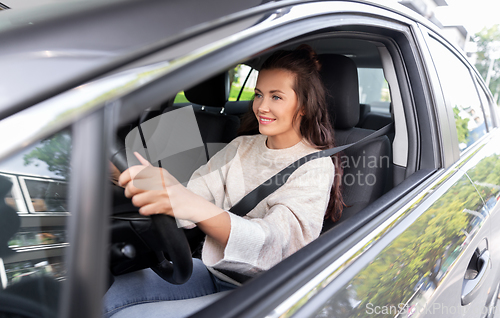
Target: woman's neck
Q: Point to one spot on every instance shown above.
(274, 142)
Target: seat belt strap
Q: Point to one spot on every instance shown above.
(250, 201)
(253, 198)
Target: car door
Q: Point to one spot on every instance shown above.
(430, 254)
(483, 170)
(473, 121)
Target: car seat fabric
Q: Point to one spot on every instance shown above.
(364, 109)
(340, 77)
(374, 120)
(211, 92)
(367, 168)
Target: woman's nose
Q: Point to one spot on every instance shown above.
(263, 107)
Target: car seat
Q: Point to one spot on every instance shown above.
(215, 127)
(367, 168)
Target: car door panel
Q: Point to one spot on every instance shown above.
(483, 168)
(419, 259)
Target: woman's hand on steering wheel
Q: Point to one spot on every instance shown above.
(155, 191)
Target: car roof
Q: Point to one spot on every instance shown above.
(49, 49)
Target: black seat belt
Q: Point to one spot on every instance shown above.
(250, 201)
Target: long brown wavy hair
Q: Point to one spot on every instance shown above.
(315, 126)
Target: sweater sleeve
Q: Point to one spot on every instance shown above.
(208, 180)
(293, 219)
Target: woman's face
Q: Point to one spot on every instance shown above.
(274, 106)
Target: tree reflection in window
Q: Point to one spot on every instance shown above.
(55, 152)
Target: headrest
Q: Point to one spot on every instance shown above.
(340, 77)
(211, 92)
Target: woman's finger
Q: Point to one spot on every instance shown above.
(130, 174)
(143, 161)
(155, 208)
(149, 197)
(131, 190)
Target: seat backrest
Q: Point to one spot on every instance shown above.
(367, 168)
(375, 120)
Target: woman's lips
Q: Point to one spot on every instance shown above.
(265, 120)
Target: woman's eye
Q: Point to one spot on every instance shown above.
(275, 97)
(257, 95)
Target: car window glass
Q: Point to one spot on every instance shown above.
(243, 80)
(374, 90)
(180, 98)
(486, 105)
(33, 215)
(458, 87)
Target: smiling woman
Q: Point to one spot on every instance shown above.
(290, 112)
(290, 105)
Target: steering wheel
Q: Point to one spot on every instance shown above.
(171, 254)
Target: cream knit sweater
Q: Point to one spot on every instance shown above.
(284, 222)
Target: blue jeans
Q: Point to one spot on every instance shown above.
(145, 286)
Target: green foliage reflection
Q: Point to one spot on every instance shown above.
(55, 152)
(418, 259)
(392, 277)
(462, 126)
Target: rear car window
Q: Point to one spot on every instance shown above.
(374, 90)
(244, 79)
(458, 87)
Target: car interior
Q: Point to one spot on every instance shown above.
(350, 66)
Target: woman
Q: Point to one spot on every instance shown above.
(289, 111)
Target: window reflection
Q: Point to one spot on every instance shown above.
(33, 217)
(46, 195)
(410, 269)
(460, 90)
(19, 271)
(33, 236)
